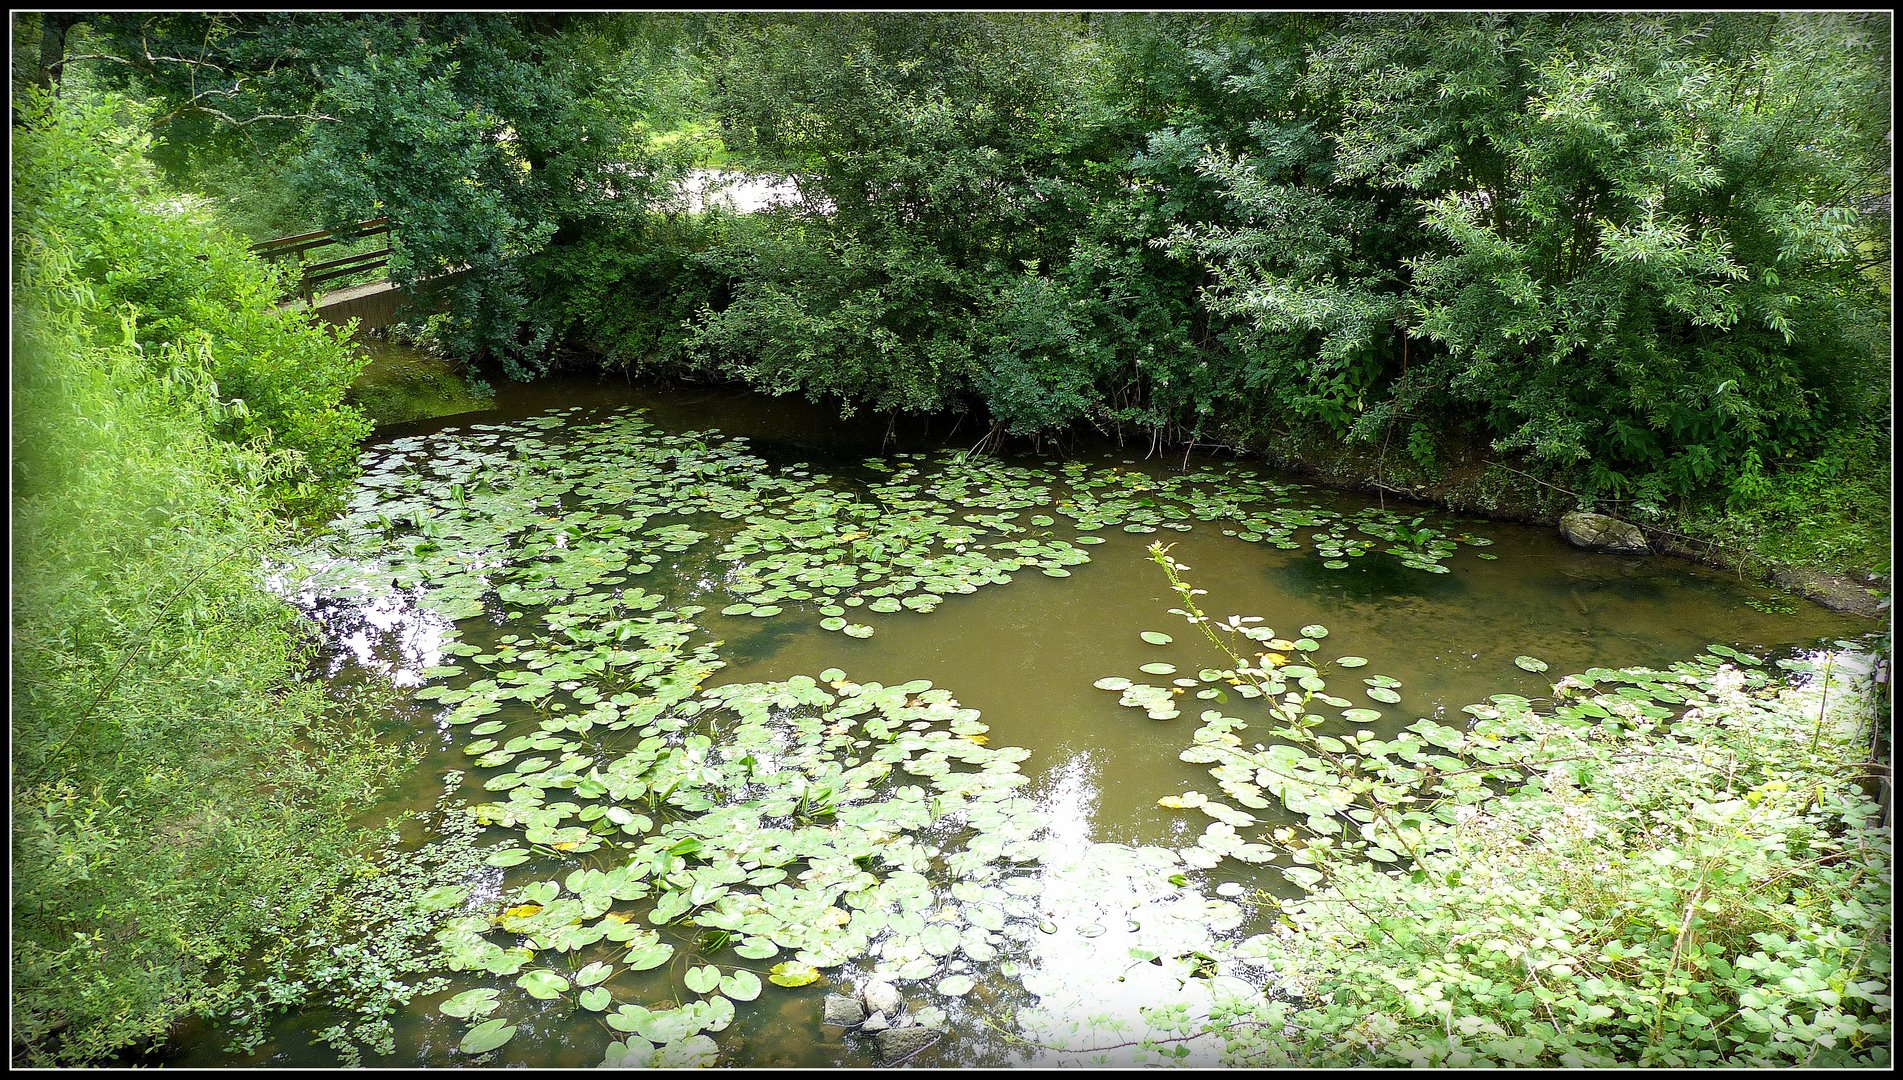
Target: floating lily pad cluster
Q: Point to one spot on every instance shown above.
(496, 519)
(742, 834)
(755, 832)
(1320, 779)
(903, 547)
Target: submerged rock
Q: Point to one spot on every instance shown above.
(843, 1011)
(899, 1043)
(1597, 532)
(881, 997)
(1837, 592)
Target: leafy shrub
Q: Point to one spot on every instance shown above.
(632, 295)
(153, 263)
(1631, 246)
(176, 785)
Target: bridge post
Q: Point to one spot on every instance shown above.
(304, 281)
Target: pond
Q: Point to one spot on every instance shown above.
(735, 706)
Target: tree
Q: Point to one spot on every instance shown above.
(485, 135)
(929, 145)
(1627, 246)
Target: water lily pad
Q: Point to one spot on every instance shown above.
(1529, 663)
(651, 955)
(543, 984)
(793, 973)
(478, 1002)
(956, 985)
(742, 985)
(509, 856)
(1155, 637)
(486, 1036)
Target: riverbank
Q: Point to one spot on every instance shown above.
(1788, 551)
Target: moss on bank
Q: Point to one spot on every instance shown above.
(403, 383)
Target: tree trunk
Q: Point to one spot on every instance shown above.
(53, 27)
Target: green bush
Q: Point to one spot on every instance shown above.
(1630, 248)
(176, 784)
(632, 295)
(153, 263)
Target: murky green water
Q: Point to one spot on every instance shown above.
(403, 383)
(1065, 958)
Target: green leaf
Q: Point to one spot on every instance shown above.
(486, 1036)
(478, 1002)
(702, 979)
(793, 973)
(650, 956)
(543, 984)
(509, 856)
(742, 985)
(442, 898)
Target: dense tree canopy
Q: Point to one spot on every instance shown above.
(485, 135)
(1632, 251)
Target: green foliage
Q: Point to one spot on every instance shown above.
(1833, 510)
(1681, 868)
(630, 295)
(485, 135)
(175, 784)
(404, 383)
(1630, 251)
(925, 144)
(363, 946)
(191, 299)
(1627, 244)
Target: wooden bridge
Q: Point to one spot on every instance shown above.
(375, 303)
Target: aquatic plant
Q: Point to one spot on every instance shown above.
(1678, 867)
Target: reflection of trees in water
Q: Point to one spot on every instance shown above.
(1375, 578)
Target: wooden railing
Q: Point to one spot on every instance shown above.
(312, 274)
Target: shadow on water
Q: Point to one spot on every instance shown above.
(1372, 579)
